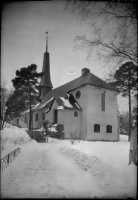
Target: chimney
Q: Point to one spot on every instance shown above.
(85, 71)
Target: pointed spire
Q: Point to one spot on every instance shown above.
(47, 41)
(45, 83)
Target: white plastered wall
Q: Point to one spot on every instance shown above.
(38, 124)
(71, 123)
(50, 115)
(82, 101)
(95, 115)
(21, 123)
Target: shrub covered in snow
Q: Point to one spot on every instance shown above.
(74, 138)
(13, 135)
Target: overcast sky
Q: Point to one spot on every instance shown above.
(23, 42)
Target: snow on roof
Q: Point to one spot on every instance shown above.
(47, 110)
(26, 111)
(60, 108)
(44, 103)
(36, 105)
(66, 102)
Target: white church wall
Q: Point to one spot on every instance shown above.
(95, 115)
(18, 121)
(38, 123)
(82, 101)
(72, 124)
(50, 116)
(61, 117)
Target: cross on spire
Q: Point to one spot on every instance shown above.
(46, 40)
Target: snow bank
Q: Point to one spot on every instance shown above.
(66, 102)
(108, 163)
(60, 169)
(11, 131)
(11, 138)
(123, 138)
(115, 153)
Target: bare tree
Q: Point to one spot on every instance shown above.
(114, 30)
(4, 96)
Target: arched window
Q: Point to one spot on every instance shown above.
(17, 121)
(103, 101)
(25, 119)
(97, 128)
(75, 114)
(55, 116)
(43, 116)
(109, 129)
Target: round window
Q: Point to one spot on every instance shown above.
(78, 93)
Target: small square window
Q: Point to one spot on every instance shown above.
(43, 116)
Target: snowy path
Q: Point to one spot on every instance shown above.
(43, 171)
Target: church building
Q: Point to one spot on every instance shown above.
(85, 106)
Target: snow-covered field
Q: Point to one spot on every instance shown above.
(58, 169)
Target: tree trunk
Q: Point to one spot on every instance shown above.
(30, 120)
(2, 124)
(129, 108)
(133, 148)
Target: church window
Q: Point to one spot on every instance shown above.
(75, 114)
(43, 116)
(55, 116)
(78, 94)
(36, 117)
(17, 121)
(109, 129)
(97, 128)
(103, 101)
(25, 120)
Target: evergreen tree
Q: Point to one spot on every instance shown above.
(25, 84)
(135, 113)
(126, 82)
(15, 105)
(124, 123)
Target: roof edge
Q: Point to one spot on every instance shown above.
(93, 85)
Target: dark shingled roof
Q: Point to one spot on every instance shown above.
(89, 78)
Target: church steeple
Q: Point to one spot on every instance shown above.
(46, 84)
(47, 41)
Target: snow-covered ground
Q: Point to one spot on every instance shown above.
(58, 169)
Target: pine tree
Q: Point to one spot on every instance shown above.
(126, 82)
(15, 105)
(25, 84)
